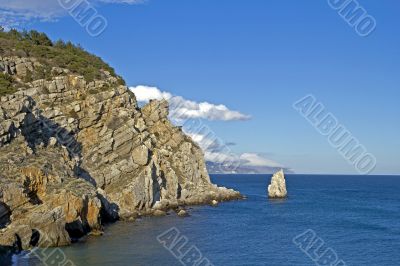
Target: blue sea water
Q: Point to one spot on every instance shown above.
(357, 217)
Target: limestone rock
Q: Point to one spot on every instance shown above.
(140, 155)
(277, 188)
(74, 155)
(52, 141)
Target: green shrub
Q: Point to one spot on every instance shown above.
(28, 77)
(6, 85)
(43, 72)
(58, 54)
(73, 114)
(38, 38)
(93, 91)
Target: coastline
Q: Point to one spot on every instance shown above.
(76, 154)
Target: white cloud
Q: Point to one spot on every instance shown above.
(217, 151)
(145, 93)
(181, 108)
(41, 8)
(223, 158)
(254, 159)
(198, 138)
(19, 12)
(214, 148)
(182, 111)
(16, 13)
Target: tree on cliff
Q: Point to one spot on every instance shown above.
(37, 38)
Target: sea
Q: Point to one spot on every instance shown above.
(326, 220)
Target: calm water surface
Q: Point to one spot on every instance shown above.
(357, 216)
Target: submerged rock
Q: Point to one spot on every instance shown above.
(183, 213)
(277, 188)
(159, 213)
(214, 203)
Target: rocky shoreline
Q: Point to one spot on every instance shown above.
(75, 155)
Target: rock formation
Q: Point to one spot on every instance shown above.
(277, 188)
(76, 154)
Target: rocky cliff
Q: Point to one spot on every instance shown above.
(76, 154)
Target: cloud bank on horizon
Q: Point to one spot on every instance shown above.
(215, 149)
(17, 13)
(257, 160)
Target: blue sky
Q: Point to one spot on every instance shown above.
(258, 57)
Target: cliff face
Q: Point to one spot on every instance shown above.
(76, 154)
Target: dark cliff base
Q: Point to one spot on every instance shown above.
(6, 254)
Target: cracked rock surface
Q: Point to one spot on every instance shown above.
(77, 154)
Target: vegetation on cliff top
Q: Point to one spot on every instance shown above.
(52, 54)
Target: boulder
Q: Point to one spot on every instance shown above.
(183, 213)
(140, 155)
(214, 203)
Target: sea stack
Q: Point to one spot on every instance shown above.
(277, 189)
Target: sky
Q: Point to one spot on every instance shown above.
(239, 66)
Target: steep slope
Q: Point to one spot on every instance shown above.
(76, 154)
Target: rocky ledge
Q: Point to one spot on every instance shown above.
(75, 155)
